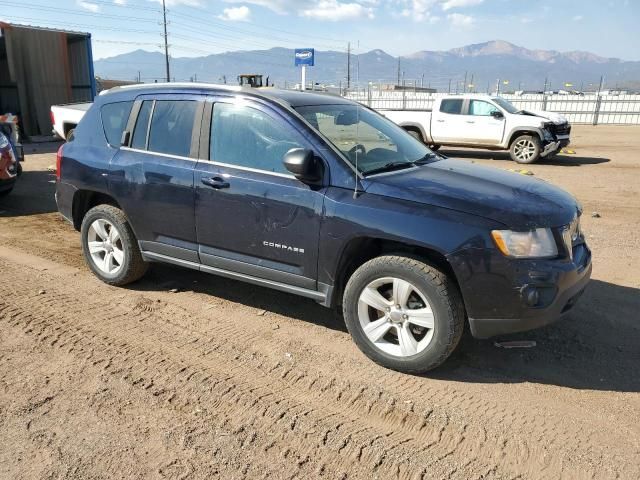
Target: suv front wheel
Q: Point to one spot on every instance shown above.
(403, 313)
(110, 247)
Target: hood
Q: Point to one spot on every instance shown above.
(517, 201)
(547, 116)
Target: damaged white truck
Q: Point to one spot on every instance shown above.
(487, 122)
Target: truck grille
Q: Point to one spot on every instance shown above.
(562, 129)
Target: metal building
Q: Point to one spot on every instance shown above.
(40, 67)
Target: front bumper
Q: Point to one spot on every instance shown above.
(497, 294)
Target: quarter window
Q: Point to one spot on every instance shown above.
(142, 125)
(172, 127)
(247, 137)
(452, 106)
(114, 121)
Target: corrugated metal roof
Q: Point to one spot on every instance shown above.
(37, 27)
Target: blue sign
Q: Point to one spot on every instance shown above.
(305, 56)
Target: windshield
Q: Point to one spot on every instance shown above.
(369, 141)
(504, 104)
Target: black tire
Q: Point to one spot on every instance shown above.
(4, 193)
(442, 295)
(530, 143)
(133, 267)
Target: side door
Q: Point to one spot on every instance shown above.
(447, 123)
(152, 174)
(483, 127)
(252, 216)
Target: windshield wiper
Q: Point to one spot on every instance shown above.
(388, 167)
(427, 158)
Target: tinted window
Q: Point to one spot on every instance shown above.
(172, 127)
(142, 123)
(481, 108)
(114, 121)
(247, 137)
(453, 106)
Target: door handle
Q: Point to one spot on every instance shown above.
(440, 121)
(216, 182)
(471, 121)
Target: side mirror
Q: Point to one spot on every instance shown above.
(303, 164)
(497, 114)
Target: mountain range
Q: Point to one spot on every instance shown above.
(481, 64)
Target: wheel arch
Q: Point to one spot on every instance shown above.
(85, 200)
(414, 127)
(362, 249)
(524, 131)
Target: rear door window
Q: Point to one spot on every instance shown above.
(172, 127)
(114, 120)
(452, 106)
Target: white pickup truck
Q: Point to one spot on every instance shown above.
(66, 117)
(488, 122)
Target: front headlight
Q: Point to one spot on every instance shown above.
(538, 243)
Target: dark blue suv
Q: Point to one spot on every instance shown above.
(319, 196)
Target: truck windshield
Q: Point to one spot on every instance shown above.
(370, 142)
(505, 105)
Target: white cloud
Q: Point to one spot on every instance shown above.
(174, 3)
(449, 4)
(419, 10)
(120, 2)
(460, 20)
(578, 18)
(334, 11)
(92, 7)
(236, 14)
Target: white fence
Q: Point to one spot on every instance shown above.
(590, 109)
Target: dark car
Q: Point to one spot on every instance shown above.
(318, 196)
(9, 165)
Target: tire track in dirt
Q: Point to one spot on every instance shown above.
(347, 424)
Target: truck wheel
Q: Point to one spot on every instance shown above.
(403, 314)
(525, 149)
(110, 247)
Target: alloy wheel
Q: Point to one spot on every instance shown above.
(105, 246)
(396, 317)
(525, 149)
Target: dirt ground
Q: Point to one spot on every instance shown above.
(226, 380)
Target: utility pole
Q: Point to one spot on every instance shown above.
(348, 65)
(449, 91)
(398, 82)
(422, 81)
(464, 87)
(166, 40)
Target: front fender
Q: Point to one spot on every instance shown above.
(365, 215)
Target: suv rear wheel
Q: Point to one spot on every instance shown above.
(403, 313)
(110, 247)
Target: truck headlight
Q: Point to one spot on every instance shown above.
(538, 243)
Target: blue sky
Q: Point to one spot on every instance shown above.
(605, 27)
